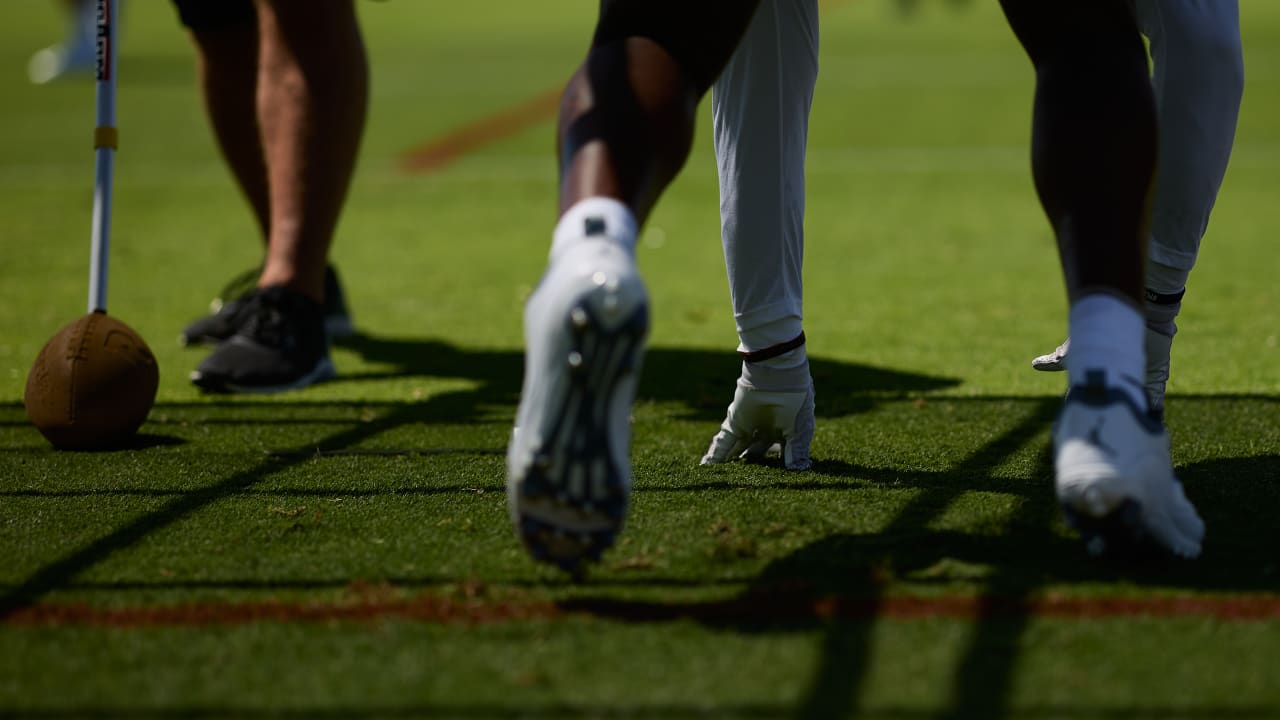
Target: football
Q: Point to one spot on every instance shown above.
(92, 384)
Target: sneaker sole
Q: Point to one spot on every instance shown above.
(324, 370)
(572, 511)
(335, 326)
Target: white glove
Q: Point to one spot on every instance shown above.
(1055, 361)
(759, 420)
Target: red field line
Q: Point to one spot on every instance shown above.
(762, 609)
(427, 609)
(443, 151)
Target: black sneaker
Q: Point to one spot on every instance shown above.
(227, 311)
(280, 345)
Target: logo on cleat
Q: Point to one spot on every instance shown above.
(593, 226)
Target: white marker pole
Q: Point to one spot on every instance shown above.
(105, 140)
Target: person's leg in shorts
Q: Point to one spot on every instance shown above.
(285, 83)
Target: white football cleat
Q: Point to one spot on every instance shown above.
(761, 421)
(1115, 478)
(568, 464)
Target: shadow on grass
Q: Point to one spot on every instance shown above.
(850, 570)
(836, 585)
(703, 380)
(676, 375)
(622, 709)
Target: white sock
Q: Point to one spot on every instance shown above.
(595, 217)
(1107, 334)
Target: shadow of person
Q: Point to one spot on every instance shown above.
(700, 380)
(842, 584)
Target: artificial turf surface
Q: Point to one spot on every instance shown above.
(344, 551)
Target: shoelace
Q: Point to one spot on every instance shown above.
(268, 322)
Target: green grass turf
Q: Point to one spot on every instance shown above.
(931, 282)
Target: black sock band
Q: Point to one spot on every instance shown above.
(773, 351)
(1163, 299)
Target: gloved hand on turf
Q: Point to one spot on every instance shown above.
(758, 420)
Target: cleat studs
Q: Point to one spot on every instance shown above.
(599, 278)
(578, 317)
(575, 360)
(611, 303)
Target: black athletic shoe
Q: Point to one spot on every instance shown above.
(281, 345)
(227, 311)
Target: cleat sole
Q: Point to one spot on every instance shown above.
(571, 500)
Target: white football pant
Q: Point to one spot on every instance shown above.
(760, 108)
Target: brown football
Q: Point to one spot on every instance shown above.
(92, 384)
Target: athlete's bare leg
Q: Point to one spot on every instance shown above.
(626, 125)
(227, 66)
(626, 121)
(1198, 83)
(1093, 171)
(287, 98)
(312, 98)
(286, 84)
